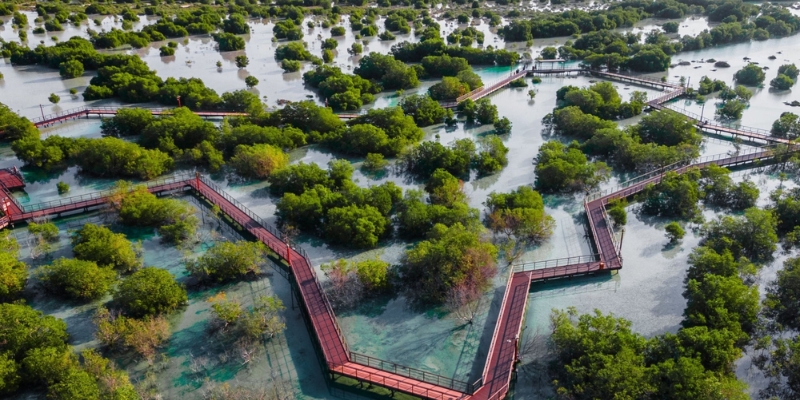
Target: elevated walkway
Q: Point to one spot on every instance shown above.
(503, 352)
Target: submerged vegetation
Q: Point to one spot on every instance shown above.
(457, 250)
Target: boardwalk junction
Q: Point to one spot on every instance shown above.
(338, 359)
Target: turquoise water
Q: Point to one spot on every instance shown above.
(647, 291)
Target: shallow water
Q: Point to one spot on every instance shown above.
(647, 291)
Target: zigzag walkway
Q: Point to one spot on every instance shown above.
(502, 355)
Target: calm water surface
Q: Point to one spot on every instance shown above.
(647, 291)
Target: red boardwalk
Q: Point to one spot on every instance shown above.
(503, 351)
(502, 354)
(485, 91)
(11, 179)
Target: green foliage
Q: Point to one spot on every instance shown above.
(287, 29)
(180, 130)
(260, 320)
(786, 207)
(174, 219)
(70, 69)
(76, 279)
(719, 190)
(228, 42)
(667, 128)
(16, 127)
(327, 56)
(782, 295)
(235, 24)
(374, 162)
(448, 258)
(671, 366)
(227, 261)
(448, 89)
(391, 73)
(13, 273)
(251, 81)
(600, 99)
(258, 161)
(62, 187)
(54, 98)
(732, 109)
(782, 82)
(298, 178)
(143, 336)
(616, 210)
(650, 58)
(670, 27)
(293, 51)
(290, 65)
(752, 235)
(127, 122)
(520, 214)
(566, 168)
(444, 65)
(149, 291)
(721, 302)
(674, 232)
(330, 205)
(571, 121)
(242, 61)
(789, 70)
(9, 375)
(24, 329)
(47, 231)
(430, 156)
(354, 226)
(617, 353)
(386, 131)
(751, 75)
(356, 49)
(113, 157)
(549, 53)
(444, 189)
(249, 134)
(676, 195)
(707, 86)
(106, 248)
(787, 126)
(373, 274)
(492, 156)
(502, 126)
(424, 109)
(415, 218)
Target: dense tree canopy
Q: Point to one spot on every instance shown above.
(104, 247)
(149, 291)
(76, 279)
(448, 258)
(564, 168)
(226, 261)
(751, 75)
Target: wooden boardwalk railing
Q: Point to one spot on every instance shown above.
(502, 355)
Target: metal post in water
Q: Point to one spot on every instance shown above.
(702, 111)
